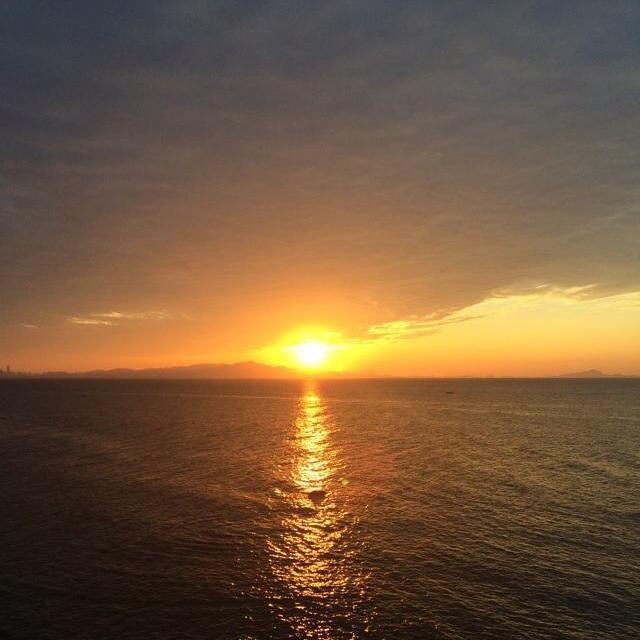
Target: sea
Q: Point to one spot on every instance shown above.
(427, 509)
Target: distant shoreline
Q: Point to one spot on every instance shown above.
(256, 371)
(79, 377)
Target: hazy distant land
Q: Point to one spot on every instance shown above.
(594, 373)
(245, 370)
(237, 370)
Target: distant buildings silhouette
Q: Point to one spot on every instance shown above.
(8, 372)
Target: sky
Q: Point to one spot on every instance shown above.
(430, 188)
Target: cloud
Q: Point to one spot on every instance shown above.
(414, 327)
(111, 318)
(589, 296)
(550, 291)
(141, 315)
(90, 321)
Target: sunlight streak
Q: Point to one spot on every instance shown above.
(312, 558)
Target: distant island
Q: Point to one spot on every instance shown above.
(594, 373)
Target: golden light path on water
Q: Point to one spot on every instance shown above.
(317, 582)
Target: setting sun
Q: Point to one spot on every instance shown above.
(308, 349)
(311, 354)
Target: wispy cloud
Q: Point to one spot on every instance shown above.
(548, 290)
(415, 327)
(111, 318)
(89, 321)
(30, 326)
(592, 296)
(140, 315)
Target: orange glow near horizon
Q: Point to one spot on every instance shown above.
(542, 331)
(533, 333)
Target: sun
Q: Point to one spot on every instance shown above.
(311, 354)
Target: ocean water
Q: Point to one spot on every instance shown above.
(352, 509)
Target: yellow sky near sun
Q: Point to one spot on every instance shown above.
(542, 332)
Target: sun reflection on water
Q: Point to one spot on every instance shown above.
(316, 581)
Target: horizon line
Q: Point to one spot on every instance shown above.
(112, 373)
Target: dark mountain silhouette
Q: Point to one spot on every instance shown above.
(203, 371)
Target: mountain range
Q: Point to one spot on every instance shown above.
(236, 370)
